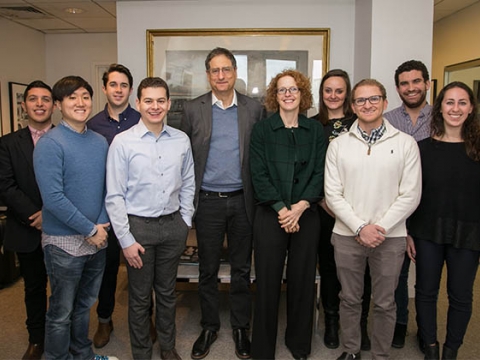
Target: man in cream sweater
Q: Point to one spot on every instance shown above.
(372, 184)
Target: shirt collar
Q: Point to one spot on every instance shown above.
(64, 123)
(375, 135)
(142, 130)
(425, 111)
(219, 103)
(122, 116)
(37, 134)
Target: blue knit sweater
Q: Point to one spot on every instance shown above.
(70, 172)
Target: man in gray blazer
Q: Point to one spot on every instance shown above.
(219, 124)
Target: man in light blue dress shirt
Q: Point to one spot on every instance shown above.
(150, 191)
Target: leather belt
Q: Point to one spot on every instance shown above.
(222, 194)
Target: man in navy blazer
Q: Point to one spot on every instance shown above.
(19, 192)
(219, 125)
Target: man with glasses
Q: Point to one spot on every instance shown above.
(219, 124)
(412, 117)
(372, 184)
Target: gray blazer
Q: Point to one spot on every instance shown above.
(197, 124)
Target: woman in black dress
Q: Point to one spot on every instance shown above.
(446, 225)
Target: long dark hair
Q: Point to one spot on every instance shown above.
(347, 109)
(471, 127)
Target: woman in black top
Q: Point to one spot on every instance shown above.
(336, 115)
(446, 225)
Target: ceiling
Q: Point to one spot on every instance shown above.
(99, 16)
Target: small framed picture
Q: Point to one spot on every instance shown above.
(18, 117)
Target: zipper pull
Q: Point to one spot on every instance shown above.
(369, 147)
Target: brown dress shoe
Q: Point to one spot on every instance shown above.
(170, 355)
(102, 336)
(34, 352)
(153, 331)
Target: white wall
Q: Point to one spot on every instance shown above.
(456, 39)
(80, 54)
(22, 61)
(379, 34)
(401, 31)
(135, 17)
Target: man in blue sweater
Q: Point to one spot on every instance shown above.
(69, 163)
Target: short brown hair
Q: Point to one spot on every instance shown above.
(369, 82)
(303, 83)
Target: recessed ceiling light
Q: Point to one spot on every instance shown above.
(73, 10)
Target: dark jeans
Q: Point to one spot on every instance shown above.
(74, 282)
(32, 268)
(272, 245)
(106, 296)
(462, 267)
(401, 293)
(215, 217)
(330, 286)
(163, 239)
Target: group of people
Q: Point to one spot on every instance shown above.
(349, 189)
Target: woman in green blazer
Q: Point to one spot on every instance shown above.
(287, 152)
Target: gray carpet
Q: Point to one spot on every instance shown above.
(14, 338)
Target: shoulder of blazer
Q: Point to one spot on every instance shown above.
(22, 135)
(202, 99)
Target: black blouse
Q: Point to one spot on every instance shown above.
(449, 210)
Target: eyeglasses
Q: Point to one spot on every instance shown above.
(291, 90)
(227, 70)
(375, 99)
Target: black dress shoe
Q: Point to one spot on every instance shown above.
(299, 357)
(201, 347)
(348, 356)
(398, 341)
(170, 355)
(330, 339)
(432, 352)
(242, 343)
(34, 352)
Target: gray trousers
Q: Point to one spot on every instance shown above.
(385, 262)
(164, 240)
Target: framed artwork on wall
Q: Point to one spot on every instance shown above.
(178, 57)
(1, 120)
(18, 117)
(433, 90)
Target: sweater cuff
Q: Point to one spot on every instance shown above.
(93, 232)
(279, 205)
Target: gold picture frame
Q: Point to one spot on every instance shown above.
(178, 56)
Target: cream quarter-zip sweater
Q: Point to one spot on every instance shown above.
(380, 187)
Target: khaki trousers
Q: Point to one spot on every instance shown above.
(385, 262)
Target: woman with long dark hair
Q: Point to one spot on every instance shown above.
(446, 225)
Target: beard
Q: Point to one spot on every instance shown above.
(414, 104)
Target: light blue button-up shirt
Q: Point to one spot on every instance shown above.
(148, 176)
